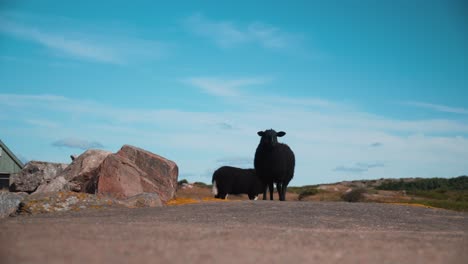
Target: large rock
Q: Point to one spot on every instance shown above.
(80, 175)
(9, 203)
(133, 170)
(119, 177)
(34, 174)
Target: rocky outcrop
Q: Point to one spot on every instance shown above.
(133, 171)
(34, 174)
(80, 176)
(129, 172)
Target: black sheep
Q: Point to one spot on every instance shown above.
(274, 163)
(230, 180)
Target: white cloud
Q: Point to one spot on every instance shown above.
(77, 143)
(439, 108)
(116, 48)
(224, 87)
(227, 34)
(321, 135)
(224, 33)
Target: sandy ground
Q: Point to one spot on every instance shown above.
(240, 232)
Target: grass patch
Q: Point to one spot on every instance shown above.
(202, 185)
(446, 204)
(299, 189)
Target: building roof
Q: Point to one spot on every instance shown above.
(13, 157)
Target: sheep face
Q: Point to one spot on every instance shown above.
(270, 138)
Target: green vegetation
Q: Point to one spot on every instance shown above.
(181, 182)
(445, 204)
(436, 192)
(298, 190)
(355, 195)
(458, 183)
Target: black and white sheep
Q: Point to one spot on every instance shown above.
(274, 163)
(230, 180)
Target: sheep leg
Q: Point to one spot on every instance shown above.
(279, 187)
(222, 196)
(270, 186)
(285, 187)
(265, 186)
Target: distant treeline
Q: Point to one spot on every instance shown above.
(458, 183)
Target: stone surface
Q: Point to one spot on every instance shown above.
(9, 203)
(34, 174)
(120, 178)
(80, 175)
(40, 203)
(160, 174)
(142, 200)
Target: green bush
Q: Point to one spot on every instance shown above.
(181, 182)
(354, 195)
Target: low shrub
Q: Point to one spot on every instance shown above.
(307, 192)
(354, 195)
(181, 182)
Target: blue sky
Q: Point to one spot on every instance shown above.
(364, 89)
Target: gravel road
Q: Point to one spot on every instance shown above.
(240, 232)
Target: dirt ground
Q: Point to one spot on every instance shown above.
(240, 232)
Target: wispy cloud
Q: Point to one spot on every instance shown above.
(350, 169)
(439, 108)
(376, 144)
(225, 125)
(228, 34)
(241, 162)
(359, 167)
(224, 87)
(42, 123)
(77, 143)
(84, 45)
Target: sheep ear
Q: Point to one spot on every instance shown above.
(261, 133)
(280, 134)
